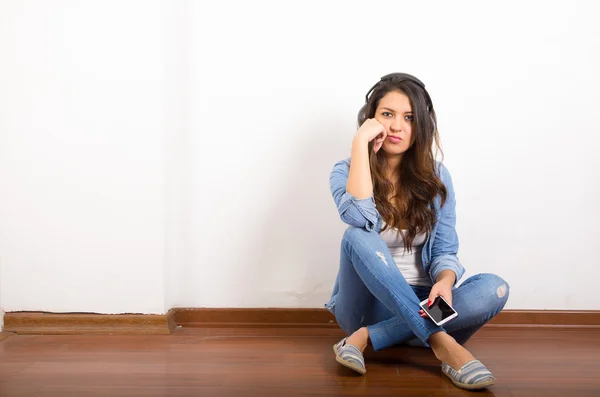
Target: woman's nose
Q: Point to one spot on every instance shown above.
(396, 124)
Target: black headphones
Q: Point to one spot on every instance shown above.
(397, 77)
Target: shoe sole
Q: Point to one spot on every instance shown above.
(475, 386)
(348, 364)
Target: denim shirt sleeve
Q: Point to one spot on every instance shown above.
(445, 244)
(354, 212)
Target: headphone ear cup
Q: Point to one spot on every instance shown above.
(362, 115)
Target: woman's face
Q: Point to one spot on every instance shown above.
(395, 113)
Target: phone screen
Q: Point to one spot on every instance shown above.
(439, 311)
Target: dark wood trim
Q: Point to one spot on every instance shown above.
(319, 318)
(171, 324)
(5, 335)
(144, 324)
(548, 318)
(254, 317)
(87, 323)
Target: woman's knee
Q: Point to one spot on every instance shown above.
(494, 289)
(485, 293)
(361, 239)
(353, 234)
(498, 285)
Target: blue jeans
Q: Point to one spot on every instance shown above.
(373, 293)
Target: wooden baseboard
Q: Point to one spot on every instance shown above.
(254, 317)
(5, 335)
(319, 318)
(547, 318)
(141, 324)
(88, 323)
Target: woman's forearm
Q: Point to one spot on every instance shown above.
(359, 182)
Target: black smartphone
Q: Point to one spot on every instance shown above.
(440, 311)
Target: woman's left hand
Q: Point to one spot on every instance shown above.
(441, 288)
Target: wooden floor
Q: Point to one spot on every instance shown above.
(288, 362)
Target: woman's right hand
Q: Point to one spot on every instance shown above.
(370, 130)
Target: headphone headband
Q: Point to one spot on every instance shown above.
(401, 77)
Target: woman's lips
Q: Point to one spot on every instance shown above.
(394, 139)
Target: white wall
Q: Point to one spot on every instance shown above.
(160, 154)
(81, 156)
(178, 70)
(276, 91)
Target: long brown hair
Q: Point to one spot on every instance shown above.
(418, 182)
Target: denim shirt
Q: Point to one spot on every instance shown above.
(441, 246)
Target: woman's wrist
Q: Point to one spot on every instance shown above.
(447, 277)
(360, 139)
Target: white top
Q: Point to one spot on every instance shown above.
(410, 263)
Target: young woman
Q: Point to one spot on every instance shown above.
(401, 246)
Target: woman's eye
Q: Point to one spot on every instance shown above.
(386, 114)
(409, 118)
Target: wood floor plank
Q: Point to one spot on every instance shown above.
(554, 393)
(287, 362)
(102, 391)
(19, 389)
